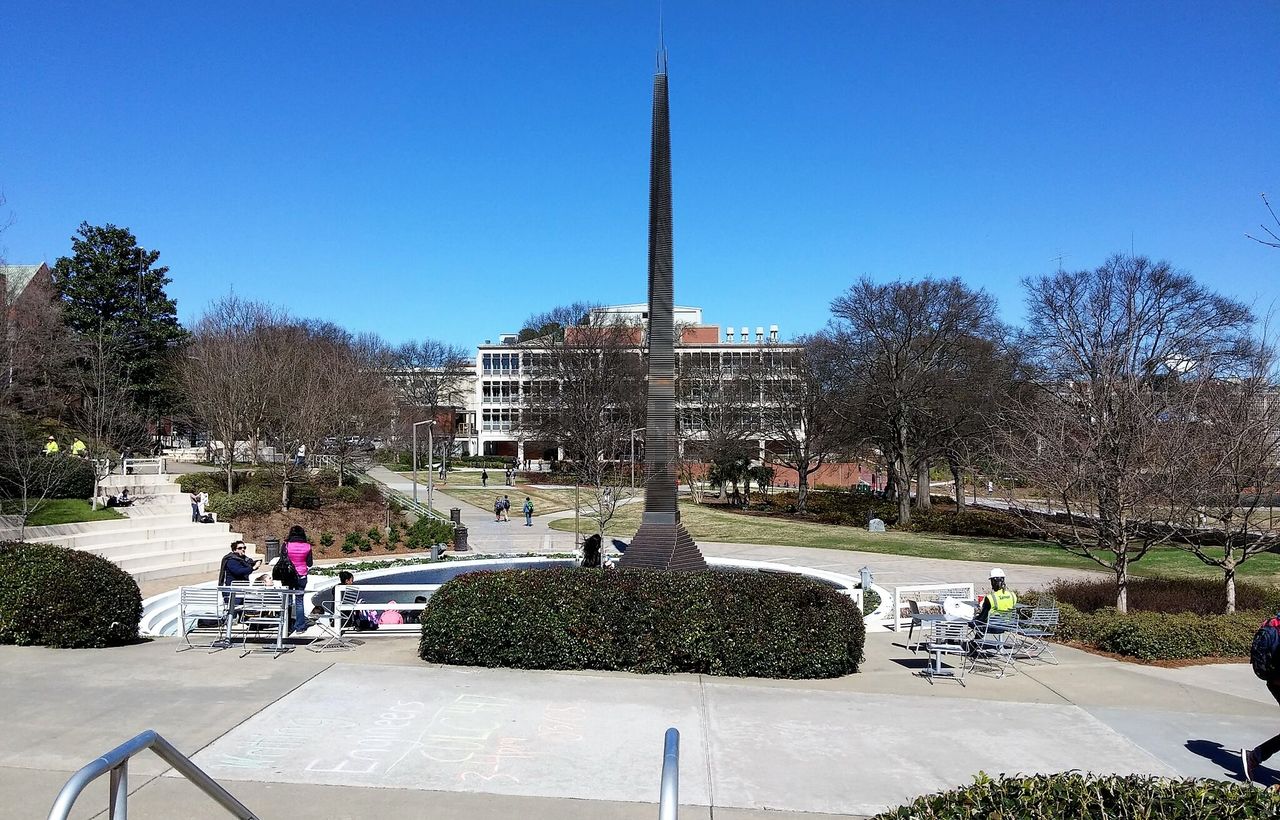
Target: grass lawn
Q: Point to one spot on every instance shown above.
(544, 501)
(711, 524)
(68, 511)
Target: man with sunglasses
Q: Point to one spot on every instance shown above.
(236, 565)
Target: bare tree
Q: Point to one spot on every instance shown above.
(1274, 241)
(1122, 355)
(106, 407)
(800, 390)
(28, 477)
(716, 417)
(362, 400)
(1234, 452)
(898, 344)
(226, 373)
(431, 379)
(586, 394)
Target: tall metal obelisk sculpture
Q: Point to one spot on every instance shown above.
(662, 541)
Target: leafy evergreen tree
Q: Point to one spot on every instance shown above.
(113, 290)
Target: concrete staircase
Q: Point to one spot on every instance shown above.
(157, 539)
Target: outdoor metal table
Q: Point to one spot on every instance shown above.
(235, 596)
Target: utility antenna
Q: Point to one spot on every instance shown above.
(1131, 253)
(1059, 259)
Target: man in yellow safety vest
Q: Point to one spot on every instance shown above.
(78, 448)
(1000, 600)
(51, 447)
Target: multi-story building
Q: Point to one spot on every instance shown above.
(504, 377)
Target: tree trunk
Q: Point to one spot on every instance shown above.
(231, 465)
(958, 477)
(1122, 582)
(903, 475)
(802, 486)
(890, 482)
(1229, 572)
(923, 502)
(284, 495)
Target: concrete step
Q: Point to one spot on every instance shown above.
(196, 560)
(176, 530)
(175, 569)
(158, 509)
(139, 480)
(219, 541)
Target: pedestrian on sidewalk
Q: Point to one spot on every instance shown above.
(484, 478)
(497, 508)
(506, 508)
(1264, 656)
(528, 512)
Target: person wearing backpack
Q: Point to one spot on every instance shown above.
(528, 512)
(298, 550)
(1264, 657)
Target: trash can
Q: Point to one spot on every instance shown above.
(460, 539)
(455, 515)
(273, 549)
(437, 551)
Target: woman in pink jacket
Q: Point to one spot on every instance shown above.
(298, 550)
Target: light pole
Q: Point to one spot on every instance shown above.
(633, 454)
(415, 460)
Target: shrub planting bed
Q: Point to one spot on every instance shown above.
(64, 598)
(1168, 619)
(716, 623)
(856, 508)
(1089, 797)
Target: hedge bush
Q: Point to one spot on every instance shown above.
(1091, 797)
(427, 531)
(717, 623)
(1202, 596)
(208, 482)
(65, 598)
(1158, 636)
(252, 500)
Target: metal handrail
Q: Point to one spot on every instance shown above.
(116, 762)
(669, 800)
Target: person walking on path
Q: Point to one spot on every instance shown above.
(506, 508)
(484, 478)
(51, 446)
(497, 508)
(528, 512)
(297, 550)
(509, 477)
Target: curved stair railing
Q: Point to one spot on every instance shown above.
(116, 762)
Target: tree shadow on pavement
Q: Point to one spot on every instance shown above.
(1229, 760)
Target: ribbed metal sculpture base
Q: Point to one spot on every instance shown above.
(660, 545)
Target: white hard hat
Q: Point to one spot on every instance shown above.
(996, 572)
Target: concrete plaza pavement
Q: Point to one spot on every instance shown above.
(374, 730)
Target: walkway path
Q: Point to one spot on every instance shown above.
(376, 732)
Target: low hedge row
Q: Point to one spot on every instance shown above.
(1202, 596)
(1091, 797)
(64, 598)
(1158, 636)
(717, 623)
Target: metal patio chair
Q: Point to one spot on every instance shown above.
(1037, 629)
(197, 608)
(331, 632)
(996, 643)
(947, 638)
(264, 610)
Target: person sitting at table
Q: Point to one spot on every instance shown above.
(1001, 601)
(236, 565)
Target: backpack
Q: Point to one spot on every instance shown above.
(285, 572)
(207, 519)
(1264, 654)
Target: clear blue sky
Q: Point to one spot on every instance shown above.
(444, 169)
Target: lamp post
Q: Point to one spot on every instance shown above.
(415, 460)
(633, 454)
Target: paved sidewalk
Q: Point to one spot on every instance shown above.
(374, 731)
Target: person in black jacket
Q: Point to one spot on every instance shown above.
(236, 565)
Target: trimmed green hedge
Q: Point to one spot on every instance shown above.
(65, 598)
(716, 623)
(427, 531)
(251, 500)
(1090, 797)
(1158, 636)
